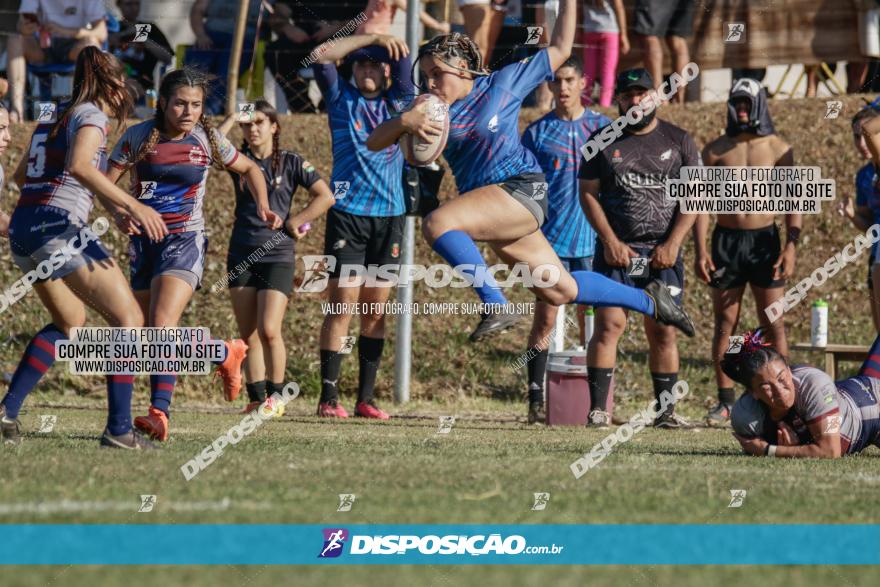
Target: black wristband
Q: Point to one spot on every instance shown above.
(794, 235)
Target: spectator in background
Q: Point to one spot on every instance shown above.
(213, 22)
(866, 211)
(604, 33)
(672, 19)
(482, 22)
(51, 31)
(380, 15)
(139, 58)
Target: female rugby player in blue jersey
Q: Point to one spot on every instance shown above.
(58, 177)
(260, 290)
(502, 190)
(169, 157)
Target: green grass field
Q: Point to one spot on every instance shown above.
(485, 470)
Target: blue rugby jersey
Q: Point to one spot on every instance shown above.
(556, 143)
(171, 178)
(484, 145)
(867, 194)
(48, 183)
(365, 183)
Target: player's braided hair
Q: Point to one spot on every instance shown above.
(753, 355)
(179, 78)
(452, 47)
(98, 78)
(272, 114)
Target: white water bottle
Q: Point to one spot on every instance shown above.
(589, 317)
(819, 324)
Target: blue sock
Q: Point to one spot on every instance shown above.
(38, 357)
(161, 388)
(598, 290)
(119, 389)
(459, 249)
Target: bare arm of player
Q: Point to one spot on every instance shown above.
(197, 24)
(871, 132)
(620, 14)
(227, 124)
(826, 445)
(397, 48)
(703, 265)
(563, 34)
(617, 253)
(256, 183)
(322, 200)
(87, 143)
(665, 254)
(784, 266)
(412, 121)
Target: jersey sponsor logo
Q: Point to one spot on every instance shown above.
(493, 124)
(615, 156)
(665, 155)
(395, 250)
(197, 156)
(308, 167)
(339, 244)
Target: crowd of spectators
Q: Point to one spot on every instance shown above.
(51, 33)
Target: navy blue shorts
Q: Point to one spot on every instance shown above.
(36, 233)
(181, 254)
(641, 276)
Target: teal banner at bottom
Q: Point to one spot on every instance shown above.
(438, 544)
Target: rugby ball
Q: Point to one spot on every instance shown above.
(419, 152)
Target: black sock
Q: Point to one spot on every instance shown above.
(272, 387)
(256, 391)
(664, 382)
(331, 365)
(369, 356)
(599, 380)
(727, 395)
(537, 368)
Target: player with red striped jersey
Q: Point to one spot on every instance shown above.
(59, 253)
(169, 158)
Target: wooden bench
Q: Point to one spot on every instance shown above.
(834, 353)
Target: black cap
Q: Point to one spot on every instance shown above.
(634, 78)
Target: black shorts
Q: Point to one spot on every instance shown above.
(277, 276)
(363, 240)
(530, 190)
(745, 256)
(665, 18)
(59, 50)
(635, 276)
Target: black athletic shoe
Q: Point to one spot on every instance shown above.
(537, 415)
(671, 421)
(666, 311)
(494, 322)
(9, 429)
(719, 415)
(131, 440)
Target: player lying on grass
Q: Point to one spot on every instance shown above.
(502, 190)
(799, 412)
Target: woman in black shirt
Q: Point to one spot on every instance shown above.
(260, 262)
